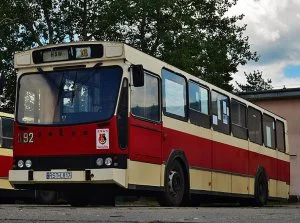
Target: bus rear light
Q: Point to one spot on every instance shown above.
(20, 163)
(99, 162)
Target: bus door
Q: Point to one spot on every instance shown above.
(145, 127)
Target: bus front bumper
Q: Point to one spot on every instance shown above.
(94, 176)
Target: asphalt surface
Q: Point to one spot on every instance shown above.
(65, 213)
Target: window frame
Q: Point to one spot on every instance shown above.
(261, 126)
(217, 127)
(284, 138)
(274, 130)
(186, 106)
(200, 114)
(1, 132)
(159, 99)
(233, 125)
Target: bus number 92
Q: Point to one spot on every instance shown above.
(26, 137)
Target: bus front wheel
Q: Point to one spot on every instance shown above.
(174, 188)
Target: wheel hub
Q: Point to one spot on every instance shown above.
(174, 182)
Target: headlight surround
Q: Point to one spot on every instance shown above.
(28, 163)
(99, 162)
(108, 161)
(20, 163)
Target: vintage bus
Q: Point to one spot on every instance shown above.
(98, 119)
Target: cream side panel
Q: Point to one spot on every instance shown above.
(230, 140)
(186, 127)
(251, 186)
(200, 180)
(140, 173)
(262, 150)
(221, 182)
(6, 152)
(4, 184)
(272, 188)
(162, 175)
(240, 184)
(283, 189)
(283, 156)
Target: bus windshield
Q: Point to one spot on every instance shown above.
(68, 96)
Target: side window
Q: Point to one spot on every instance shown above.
(199, 105)
(238, 120)
(6, 137)
(174, 95)
(269, 131)
(220, 112)
(280, 136)
(254, 125)
(145, 100)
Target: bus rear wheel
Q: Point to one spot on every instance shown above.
(174, 188)
(261, 190)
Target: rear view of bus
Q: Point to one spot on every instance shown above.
(71, 120)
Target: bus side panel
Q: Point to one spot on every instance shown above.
(196, 149)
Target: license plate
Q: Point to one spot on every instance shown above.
(59, 175)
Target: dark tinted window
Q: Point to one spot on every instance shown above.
(145, 100)
(254, 125)
(220, 112)
(238, 119)
(174, 95)
(269, 131)
(7, 133)
(199, 105)
(280, 138)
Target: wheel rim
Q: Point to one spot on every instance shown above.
(175, 182)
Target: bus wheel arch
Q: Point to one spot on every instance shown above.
(176, 164)
(261, 187)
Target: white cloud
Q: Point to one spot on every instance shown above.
(273, 30)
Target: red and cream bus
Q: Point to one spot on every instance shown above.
(97, 119)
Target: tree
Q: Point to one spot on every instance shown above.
(195, 35)
(255, 82)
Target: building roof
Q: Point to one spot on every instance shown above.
(271, 94)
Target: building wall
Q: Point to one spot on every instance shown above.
(290, 110)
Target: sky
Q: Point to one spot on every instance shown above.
(273, 27)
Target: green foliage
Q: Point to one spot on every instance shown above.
(195, 35)
(255, 82)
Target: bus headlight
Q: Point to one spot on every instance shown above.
(20, 164)
(99, 162)
(108, 161)
(28, 163)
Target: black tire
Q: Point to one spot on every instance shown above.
(76, 199)
(107, 199)
(175, 187)
(46, 197)
(261, 189)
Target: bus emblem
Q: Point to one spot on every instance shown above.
(102, 138)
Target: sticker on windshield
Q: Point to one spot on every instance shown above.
(102, 138)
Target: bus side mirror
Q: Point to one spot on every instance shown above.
(137, 75)
(2, 83)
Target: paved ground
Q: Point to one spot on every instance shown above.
(65, 213)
